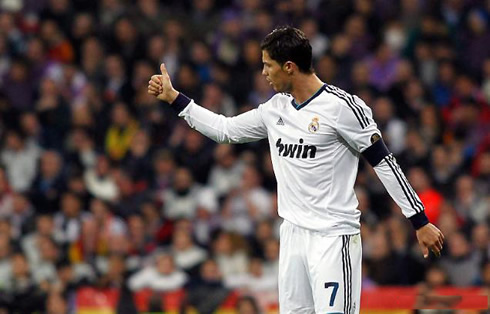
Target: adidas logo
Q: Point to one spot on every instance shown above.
(280, 122)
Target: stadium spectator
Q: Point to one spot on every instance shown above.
(247, 305)
(429, 196)
(230, 255)
(462, 263)
(69, 220)
(48, 185)
(162, 276)
(181, 200)
(100, 181)
(20, 161)
(247, 204)
(186, 253)
(226, 171)
(206, 292)
(255, 282)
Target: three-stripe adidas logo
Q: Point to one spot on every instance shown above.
(280, 122)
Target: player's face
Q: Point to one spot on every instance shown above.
(275, 74)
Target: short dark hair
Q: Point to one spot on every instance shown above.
(289, 44)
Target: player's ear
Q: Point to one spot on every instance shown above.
(288, 67)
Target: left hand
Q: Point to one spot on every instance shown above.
(430, 237)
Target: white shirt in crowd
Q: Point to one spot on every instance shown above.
(150, 278)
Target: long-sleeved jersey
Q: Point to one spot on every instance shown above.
(315, 148)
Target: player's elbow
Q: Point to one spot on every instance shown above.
(224, 137)
(375, 153)
(223, 140)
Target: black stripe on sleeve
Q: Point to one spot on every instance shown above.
(402, 185)
(359, 110)
(417, 201)
(331, 91)
(417, 205)
(363, 115)
(419, 220)
(376, 152)
(180, 102)
(350, 98)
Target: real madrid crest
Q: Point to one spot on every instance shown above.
(314, 125)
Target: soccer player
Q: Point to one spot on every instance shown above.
(316, 134)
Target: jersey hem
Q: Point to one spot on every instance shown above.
(327, 233)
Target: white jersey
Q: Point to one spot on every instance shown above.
(315, 149)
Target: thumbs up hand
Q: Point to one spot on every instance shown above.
(161, 86)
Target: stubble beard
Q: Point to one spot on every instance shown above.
(285, 88)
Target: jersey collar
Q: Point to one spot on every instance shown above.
(306, 102)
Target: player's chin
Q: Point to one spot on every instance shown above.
(276, 88)
(280, 87)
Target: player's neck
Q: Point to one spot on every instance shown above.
(304, 86)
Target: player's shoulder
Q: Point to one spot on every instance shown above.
(342, 97)
(278, 100)
(350, 106)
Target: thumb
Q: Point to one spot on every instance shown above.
(163, 69)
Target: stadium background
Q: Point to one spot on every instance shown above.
(103, 187)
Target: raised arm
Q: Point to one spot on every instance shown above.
(356, 125)
(246, 127)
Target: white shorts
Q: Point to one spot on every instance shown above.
(318, 273)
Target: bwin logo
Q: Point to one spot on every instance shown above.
(296, 150)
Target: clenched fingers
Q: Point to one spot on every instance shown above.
(155, 85)
(153, 91)
(155, 81)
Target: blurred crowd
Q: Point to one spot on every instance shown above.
(102, 185)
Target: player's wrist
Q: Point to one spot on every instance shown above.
(172, 96)
(419, 220)
(180, 102)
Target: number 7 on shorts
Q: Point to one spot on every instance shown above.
(335, 286)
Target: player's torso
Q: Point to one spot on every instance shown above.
(313, 165)
(304, 136)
